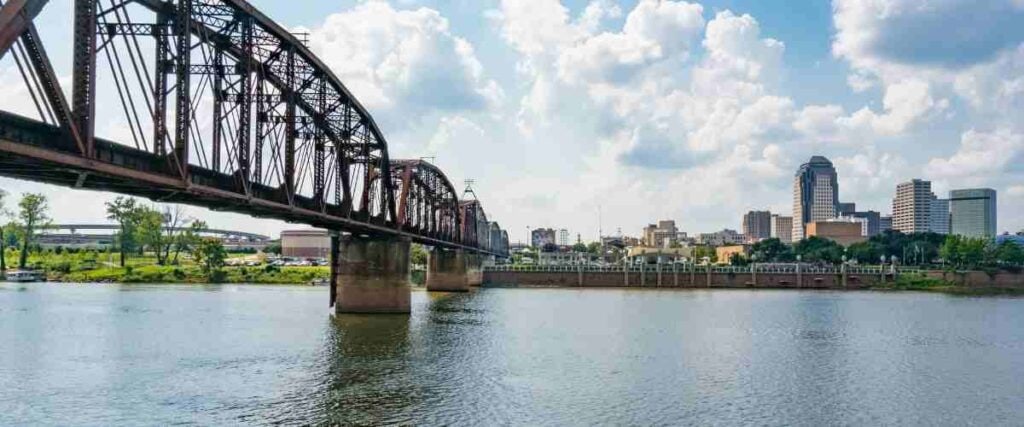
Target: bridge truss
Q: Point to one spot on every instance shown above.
(222, 108)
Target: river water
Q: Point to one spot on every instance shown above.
(109, 354)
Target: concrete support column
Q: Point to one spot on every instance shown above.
(372, 274)
(446, 271)
(474, 269)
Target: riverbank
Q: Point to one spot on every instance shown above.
(155, 274)
(265, 275)
(960, 282)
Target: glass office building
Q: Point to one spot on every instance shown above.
(973, 212)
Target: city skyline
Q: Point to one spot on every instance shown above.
(549, 99)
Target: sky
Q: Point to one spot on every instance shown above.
(604, 114)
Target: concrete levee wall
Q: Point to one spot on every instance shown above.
(980, 279)
(680, 279)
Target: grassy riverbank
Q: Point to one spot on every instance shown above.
(928, 284)
(192, 274)
(92, 267)
(89, 267)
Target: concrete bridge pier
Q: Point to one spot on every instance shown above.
(447, 270)
(371, 274)
(475, 269)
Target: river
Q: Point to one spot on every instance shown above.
(157, 355)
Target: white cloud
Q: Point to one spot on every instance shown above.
(980, 154)
(403, 63)
(945, 34)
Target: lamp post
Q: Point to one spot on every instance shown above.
(753, 269)
(881, 267)
(799, 275)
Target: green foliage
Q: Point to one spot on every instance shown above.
(772, 250)
(965, 252)
(126, 211)
(701, 252)
(817, 249)
(273, 248)
(739, 260)
(210, 255)
(580, 247)
(419, 254)
(33, 216)
(3, 241)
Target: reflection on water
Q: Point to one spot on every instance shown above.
(247, 354)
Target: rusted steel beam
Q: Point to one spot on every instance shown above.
(15, 18)
(83, 90)
(183, 98)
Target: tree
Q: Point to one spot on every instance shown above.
(772, 250)
(865, 252)
(817, 249)
(150, 233)
(124, 210)
(210, 255)
(701, 252)
(188, 239)
(3, 247)
(1009, 252)
(33, 216)
(419, 255)
(579, 247)
(273, 248)
(174, 220)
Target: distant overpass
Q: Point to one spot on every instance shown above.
(75, 228)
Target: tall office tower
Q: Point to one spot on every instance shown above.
(940, 222)
(874, 220)
(815, 194)
(782, 228)
(973, 212)
(757, 225)
(884, 224)
(911, 209)
(563, 237)
(846, 209)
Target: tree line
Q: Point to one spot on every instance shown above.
(163, 231)
(921, 249)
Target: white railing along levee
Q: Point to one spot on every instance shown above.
(687, 268)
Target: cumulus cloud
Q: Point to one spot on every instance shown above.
(405, 60)
(981, 154)
(943, 33)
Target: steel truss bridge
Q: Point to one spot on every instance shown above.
(224, 109)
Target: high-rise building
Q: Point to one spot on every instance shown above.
(563, 237)
(721, 238)
(940, 222)
(757, 225)
(846, 209)
(911, 209)
(815, 194)
(782, 228)
(874, 221)
(973, 212)
(543, 236)
(884, 224)
(661, 235)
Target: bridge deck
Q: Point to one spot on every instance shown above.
(35, 151)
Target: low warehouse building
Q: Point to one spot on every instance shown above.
(305, 244)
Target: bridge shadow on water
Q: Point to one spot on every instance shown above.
(400, 369)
